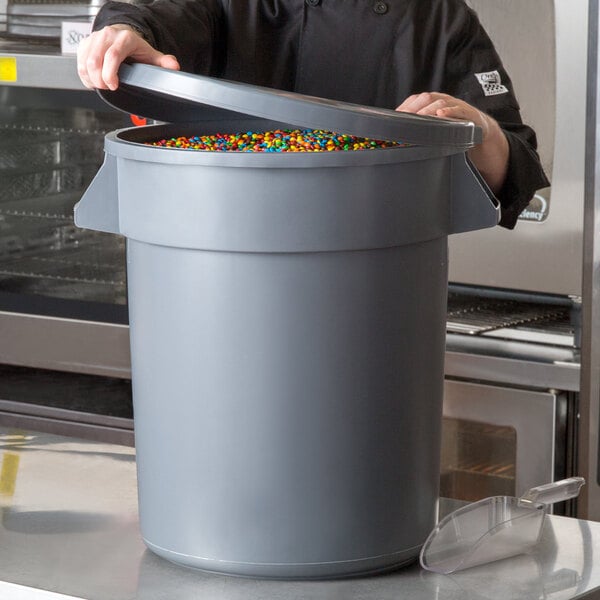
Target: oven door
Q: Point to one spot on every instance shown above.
(63, 303)
(500, 440)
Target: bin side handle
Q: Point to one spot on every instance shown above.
(98, 208)
(474, 206)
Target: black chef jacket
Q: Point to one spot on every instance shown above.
(372, 52)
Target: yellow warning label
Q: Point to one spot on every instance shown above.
(8, 473)
(8, 68)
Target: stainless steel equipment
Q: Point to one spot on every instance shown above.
(62, 291)
(43, 18)
(3, 6)
(543, 44)
(498, 441)
(544, 273)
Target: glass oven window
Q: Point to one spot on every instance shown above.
(478, 460)
(48, 157)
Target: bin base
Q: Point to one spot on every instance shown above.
(323, 570)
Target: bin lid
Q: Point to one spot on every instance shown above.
(175, 97)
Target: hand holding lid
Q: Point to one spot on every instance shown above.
(173, 96)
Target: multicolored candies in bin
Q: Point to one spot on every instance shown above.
(279, 140)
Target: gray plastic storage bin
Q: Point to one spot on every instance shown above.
(287, 317)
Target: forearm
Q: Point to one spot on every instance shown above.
(491, 157)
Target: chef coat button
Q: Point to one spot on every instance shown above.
(380, 8)
(313, 2)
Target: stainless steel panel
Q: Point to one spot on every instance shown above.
(64, 344)
(3, 7)
(41, 69)
(99, 428)
(531, 414)
(512, 363)
(543, 45)
(523, 32)
(589, 405)
(43, 19)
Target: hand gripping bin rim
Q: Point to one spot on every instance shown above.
(287, 373)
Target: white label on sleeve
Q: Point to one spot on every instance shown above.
(491, 83)
(72, 32)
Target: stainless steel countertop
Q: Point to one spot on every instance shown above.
(70, 527)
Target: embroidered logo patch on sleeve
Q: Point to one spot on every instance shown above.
(491, 83)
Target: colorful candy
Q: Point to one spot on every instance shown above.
(280, 140)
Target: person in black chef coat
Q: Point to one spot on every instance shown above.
(430, 57)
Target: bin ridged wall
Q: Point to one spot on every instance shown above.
(287, 406)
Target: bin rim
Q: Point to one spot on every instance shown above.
(175, 96)
(132, 143)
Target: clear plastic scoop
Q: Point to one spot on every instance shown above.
(493, 528)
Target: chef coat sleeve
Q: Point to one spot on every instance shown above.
(189, 29)
(474, 73)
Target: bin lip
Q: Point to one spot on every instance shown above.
(174, 96)
(117, 144)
